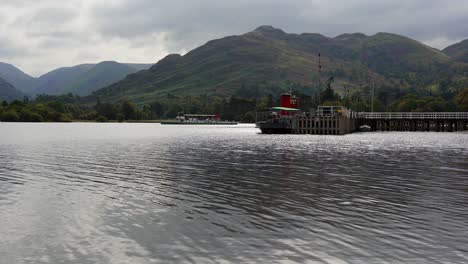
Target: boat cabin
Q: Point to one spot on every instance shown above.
(196, 117)
(332, 111)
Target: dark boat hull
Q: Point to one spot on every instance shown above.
(274, 128)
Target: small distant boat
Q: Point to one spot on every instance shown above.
(365, 128)
(197, 119)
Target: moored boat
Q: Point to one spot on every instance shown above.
(279, 120)
(197, 119)
(289, 119)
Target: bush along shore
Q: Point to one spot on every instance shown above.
(70, 108)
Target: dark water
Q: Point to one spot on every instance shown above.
(145, 193)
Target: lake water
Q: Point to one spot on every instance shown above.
(146, 193)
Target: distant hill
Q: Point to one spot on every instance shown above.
(17, 78)
(86, 78)
(81, 79)
(458, 51)
(8, 92)
(269, 56)
(101, 75)
(57, 81)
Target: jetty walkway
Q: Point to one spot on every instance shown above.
(340, 121)
(413, 121)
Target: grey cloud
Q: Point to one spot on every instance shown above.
(47, 21)
(146, 30)
(190, 22)
(8, 50)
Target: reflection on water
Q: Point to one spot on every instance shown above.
(145, 193)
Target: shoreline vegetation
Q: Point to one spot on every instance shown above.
(156, 121)
(73, 108)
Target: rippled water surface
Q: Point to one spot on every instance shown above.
(146, 193)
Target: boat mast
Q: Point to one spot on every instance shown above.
(372, 101)
(319, 69)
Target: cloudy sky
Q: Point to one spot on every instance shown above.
(40, 35)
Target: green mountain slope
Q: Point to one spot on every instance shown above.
(8, 92)
(17, 78)
(85, 78)
(55, 82)
(458, 51)
(269, 56)
(101, 75)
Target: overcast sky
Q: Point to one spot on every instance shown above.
(40, 35)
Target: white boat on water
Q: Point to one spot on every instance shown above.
(365, 128)
(197, 119)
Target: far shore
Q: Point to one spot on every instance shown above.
(110, 121)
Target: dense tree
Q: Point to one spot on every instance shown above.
(462, 100)
(413, 103)
(28, 116)
(129, 110)
(120, 117)
(157, 109)
(237, 107)
(10, 116)
(329, 95)
(107, 110)
(101, 118)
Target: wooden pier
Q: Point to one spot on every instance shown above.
(328, 120)
(338, 120)
(414, 121)
(345, 122)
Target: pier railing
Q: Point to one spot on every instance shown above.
(412, 115)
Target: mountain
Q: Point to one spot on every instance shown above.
(458, 51)
(17, 78)
(101, 75)
(268, 57)
(56, 81)
(8, 92)
(85, 78)
(81, 79)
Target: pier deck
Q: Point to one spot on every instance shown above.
(414, 121)
(338, 120)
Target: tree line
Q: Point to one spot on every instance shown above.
(69, 107)
(239, 107)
